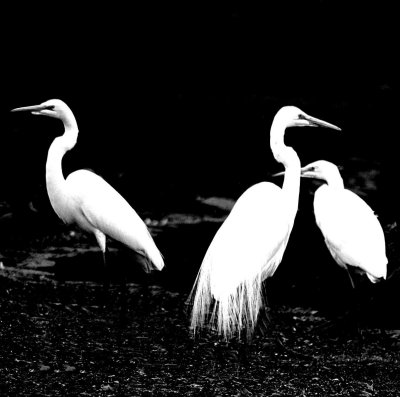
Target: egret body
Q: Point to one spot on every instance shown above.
(86, 199)
(350, 228)
(249, 245)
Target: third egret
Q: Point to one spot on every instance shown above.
(351, 230)
(249, 245)
(86, 199)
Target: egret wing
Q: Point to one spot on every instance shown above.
(106, 210)
(351, 229)
(251, 241)
(247, 248)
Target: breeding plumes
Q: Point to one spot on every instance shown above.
(351, 230)
(86, 199)
(249, 245)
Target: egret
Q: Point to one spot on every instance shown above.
(351, 230)
(86, 199)
(249, 245)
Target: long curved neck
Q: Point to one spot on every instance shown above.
(288, 157)
(55, 181)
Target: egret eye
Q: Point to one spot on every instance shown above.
(301, 116)
(50, 107)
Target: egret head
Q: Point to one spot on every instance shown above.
(291, 116)
(325, 171)
(320, 169)
(52, 108)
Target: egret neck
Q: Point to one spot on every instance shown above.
(55, 180)
(287, 156)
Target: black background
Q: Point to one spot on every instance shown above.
(175, 101)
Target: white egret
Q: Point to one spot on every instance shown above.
(249, 245)
(350, 228)
(86, 199)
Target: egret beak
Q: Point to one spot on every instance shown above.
(308, 172)
(35, 109)
(314, 122)
(305, 172)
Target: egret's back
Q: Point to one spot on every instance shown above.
(101, 207)
(247, 248)
(352, 231)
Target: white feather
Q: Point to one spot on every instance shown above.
(85, 198)
(250, 244)
(247, 249)
(97, 205)
(351, 230)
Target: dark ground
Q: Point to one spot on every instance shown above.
(57, 340)
(61, 334)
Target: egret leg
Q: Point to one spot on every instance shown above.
(350, 319)
(355, 309)
(122, 295)
(106, 275)
(101, 241)
(105, 290)
(353, 314)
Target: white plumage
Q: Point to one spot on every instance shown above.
(86, 199)
(249, 245)
(351, 230)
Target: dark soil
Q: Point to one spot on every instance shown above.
(58, 340)
(63, 334)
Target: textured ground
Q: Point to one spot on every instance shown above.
(61, 334)
(57, 339)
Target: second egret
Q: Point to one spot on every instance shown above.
(249, 245)
(351, 230)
